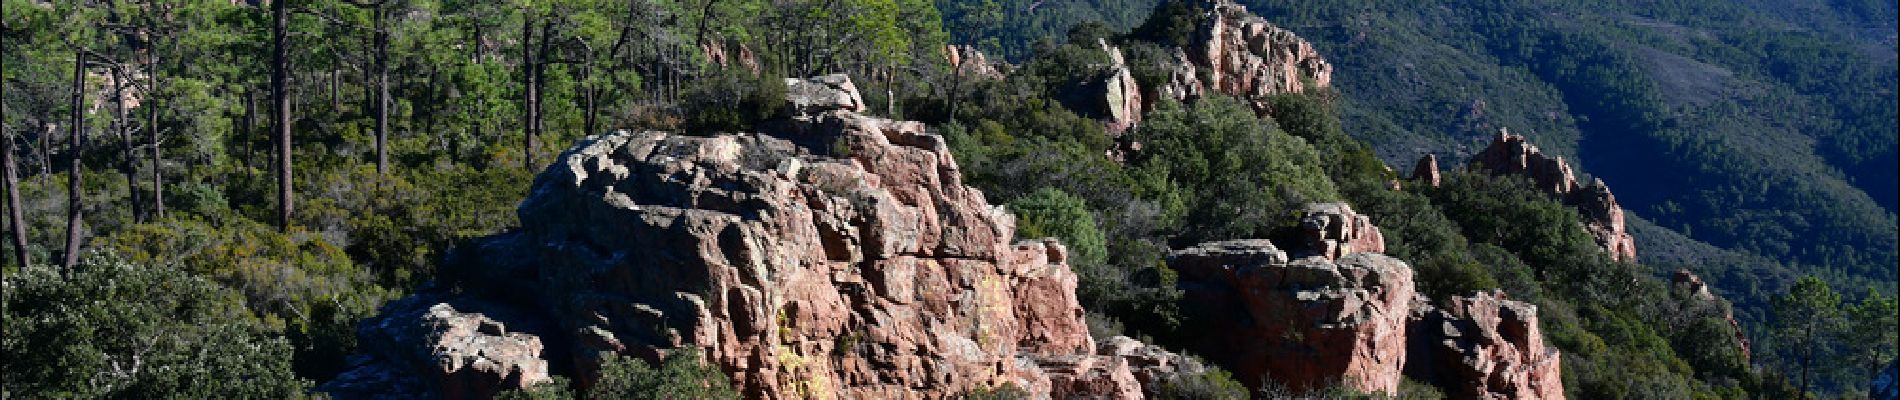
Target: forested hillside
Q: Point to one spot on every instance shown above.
(1713, 120)
(221, 199)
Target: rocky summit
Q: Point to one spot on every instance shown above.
(836, 256)
(1511, 154)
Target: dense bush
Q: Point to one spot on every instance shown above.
(118, 329)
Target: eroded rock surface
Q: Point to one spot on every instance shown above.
(1109, 93)
(1484, 347)
(1511, 154)
(1243, 55)
(837, 256)
(450, 350)
(969, 62)
(1303, 323)
(1333, 230)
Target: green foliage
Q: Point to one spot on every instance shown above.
(1214, 384)
(1006, 391)
(681, 376)
(1051, 212)
(120, 329)
(1239, 177)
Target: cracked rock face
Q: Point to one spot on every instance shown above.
(1303, 323)
(1333, 230)
(838, 256)
(1244, 56)
(1485, 347)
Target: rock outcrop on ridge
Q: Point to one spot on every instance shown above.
(1689, 282)
(1304, 323)
(1484, 347)
(1243, 55)
(1511, 154)
(968, 62)
(838, 256)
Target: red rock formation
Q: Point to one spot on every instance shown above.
(1304, 323)
(1109, 93)
(1427, 171)
(969, 62)
(1484, 347)
(715, 51)
(839, 256)
(1333, 230)
(1244, 56)
(1511, 154)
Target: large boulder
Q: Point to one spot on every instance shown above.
(1484, 347)
(454, 350)
(1511, 154)
(1108, 93)
(1303, 323)
(836, 256)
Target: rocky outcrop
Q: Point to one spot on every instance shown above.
(716, 51)
(1333, 230)
(1242, 55)
(968, 62)
(835, 256)
(1688, 282)
(1304, 323)
(1483, 347)
(459, 353)
(811, 97)
(1427, 171)
(1511, 154)
(1109, 93)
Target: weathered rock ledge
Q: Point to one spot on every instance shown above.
(835, 256)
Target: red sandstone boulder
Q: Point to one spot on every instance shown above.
(1484, 347)
(1303, 323)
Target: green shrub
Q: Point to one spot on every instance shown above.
(123, 330)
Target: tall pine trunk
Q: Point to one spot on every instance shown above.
(16, 218)
(77, 141)
(279, 78)
(151, 135)
(382, 92)
(128, 164)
